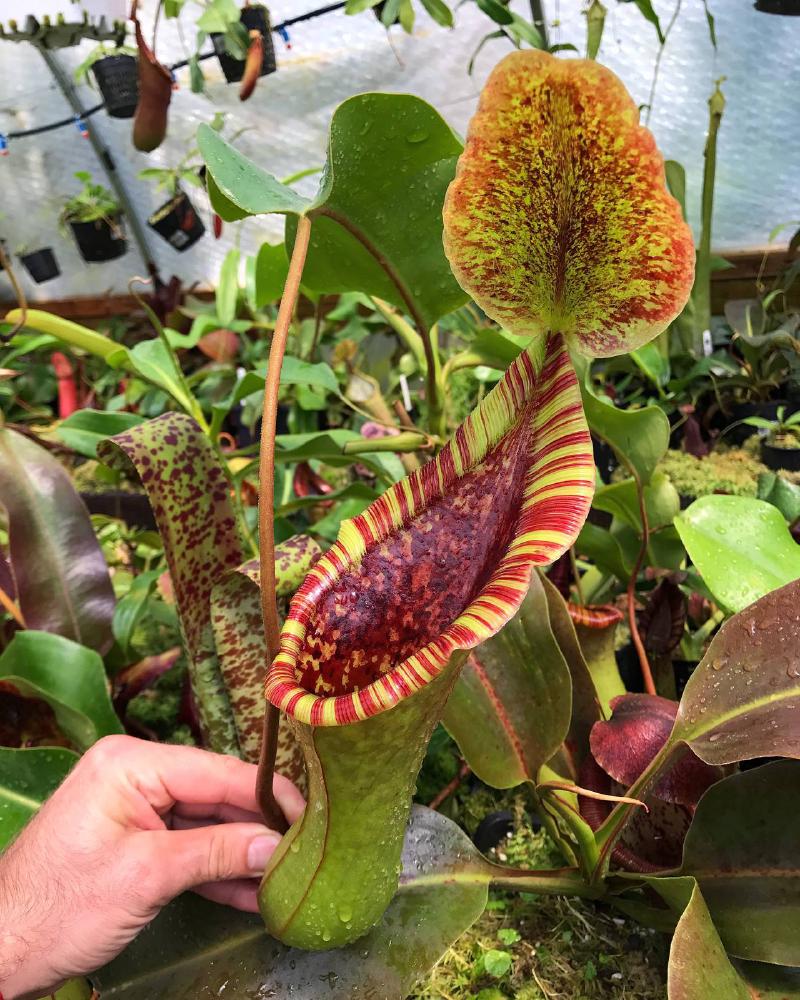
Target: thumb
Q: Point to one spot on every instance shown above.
(187, 858)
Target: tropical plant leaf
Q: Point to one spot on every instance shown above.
(741, 547)
(749, 871)
(61, 577)
(639, 438)
(443, 889)
(366, 657)
(69, 677)
(83, 430)
(699, 967)
(510, 708)
(27, 777)
(559, 218)
(191, 499)
(662, 502)
(742, 701)
(390, 158)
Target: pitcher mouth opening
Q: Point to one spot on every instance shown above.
(443, 559)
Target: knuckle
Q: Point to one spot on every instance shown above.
(109, 750)
(221, 854)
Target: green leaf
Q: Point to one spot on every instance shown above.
(27, 777)
(699, 967)
(749, 871)
(781, 494)
(741, 547)
(228, 287)
(741, 701)
(676, 182)
(61, 575)
(241, 182)
(432, 908)
(272, 266)
(218, 15)
(130, 608)
(353, 491)
(190, 494)
(646, 8)
(603, 548)
(662, 502)
(497, 11)
(378, 216)
(439, 11)
(83, 430)
(497, 963)
(640, 438)
(69, 677)
(652, 363)
(510, 708)
(153, 361)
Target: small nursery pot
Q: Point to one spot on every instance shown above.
(177, 222)
(118, 80)
(41, 265)
(780, 458)
(100, 240)
(254, 19)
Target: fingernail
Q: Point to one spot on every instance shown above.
(260, 851)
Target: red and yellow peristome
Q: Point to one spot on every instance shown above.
(443, 559)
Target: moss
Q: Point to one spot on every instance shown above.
(733, 471)
(557, 947)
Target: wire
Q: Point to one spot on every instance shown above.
(71, 119)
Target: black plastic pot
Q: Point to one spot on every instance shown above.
(177, 222)
(780, 458)
(99, 240)
(118, 80)
(132, 508)
(41, 265)
(790, 8)
(254, 19)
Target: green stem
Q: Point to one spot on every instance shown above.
(583, 833)
(405, 441)
(404, 330)
(545, 882)
(270, 809)
(701, 292)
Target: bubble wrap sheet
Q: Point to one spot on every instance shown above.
(335, 56)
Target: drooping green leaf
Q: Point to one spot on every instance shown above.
(741, 547)
(510, 708)
(699, 967)
(604, 549)
(27, 777)
(241, 182)
(61, 576)
(83, 430)
(152, 360)
(439, 11)
(190, 494)
(443, 889)
(69, 677)
(742, 849)
(649, 14)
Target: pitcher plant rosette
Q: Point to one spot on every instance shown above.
(559, 225)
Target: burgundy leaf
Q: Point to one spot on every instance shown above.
(663, 619)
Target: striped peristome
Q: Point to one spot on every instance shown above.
(443, 559)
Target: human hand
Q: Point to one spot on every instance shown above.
(133, 825)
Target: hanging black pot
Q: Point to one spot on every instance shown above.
(177, 222)
(739, 411)
(790, 8)
(41, 265)
(780, 458)
(100, 240)
(253, 19)
(118, 80)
